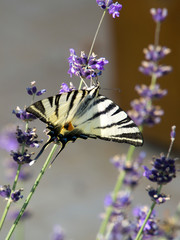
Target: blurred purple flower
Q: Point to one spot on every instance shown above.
(143, 113)
(173, 133)
(12, 215)
(122, 200)
(155, 54)
(5, 191)
(8, 140)
(121, 230)
(151, 228)
(154, 93)
(159, 14)
(133, 169)
(58, 233)
(152, 69)
(163, 170)
(11, 170)
(84, 67)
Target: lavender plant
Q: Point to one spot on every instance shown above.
(116, 224)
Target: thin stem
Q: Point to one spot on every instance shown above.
(130, 153)
(157, 34)
(117, 187)
(10, 200)
(13, 188)
(96, 33)
(110, 208)
(140, 233)
(32, 191)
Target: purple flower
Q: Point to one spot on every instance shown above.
(39, 93)
(65, 88)
(143, 113)
(121, 229)
(157, 197)
(159, 14)
(122, 200)
(133, 169)
(8, 140)
(16, 195)
(5, 191)
(152, 69)
(113, 8)
(151, 228)
(104, 3)
(155, 54)
(13, 215)
(27, 138)
(23, 115)
(21, 158)
(173, 133)
(58, 233)
(33, 90)
(85, 67)
(11, 170)
(163, 170)
(153, 93)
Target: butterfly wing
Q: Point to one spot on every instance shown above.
(103, 119)
(85, 113)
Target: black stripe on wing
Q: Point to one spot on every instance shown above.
(57, 98)
(73, 98)
(38, 110)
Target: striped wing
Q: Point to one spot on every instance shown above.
(86, 113)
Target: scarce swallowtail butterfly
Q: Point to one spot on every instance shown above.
(84, 114)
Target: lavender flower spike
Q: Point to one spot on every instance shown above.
(173, 133)
(163, 170)
(113, 8)
(159, 14)
(85, 67)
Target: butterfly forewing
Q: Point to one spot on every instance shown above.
(89, 113)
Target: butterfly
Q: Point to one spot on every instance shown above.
(84, 114)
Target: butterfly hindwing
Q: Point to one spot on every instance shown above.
(105, 120)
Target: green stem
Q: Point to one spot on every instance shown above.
(96, 33)
(157, 34)
(130, 153)
(32, 191)
(140, 233)
(13, 188)
(110, 208)
(117, 187)
(10, 200)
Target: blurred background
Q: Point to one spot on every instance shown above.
(34, 46)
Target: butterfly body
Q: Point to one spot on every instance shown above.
(85, 114)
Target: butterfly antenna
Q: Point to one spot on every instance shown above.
(41, 151)
(62, 147)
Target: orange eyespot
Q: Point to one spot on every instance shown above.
(70, 127)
